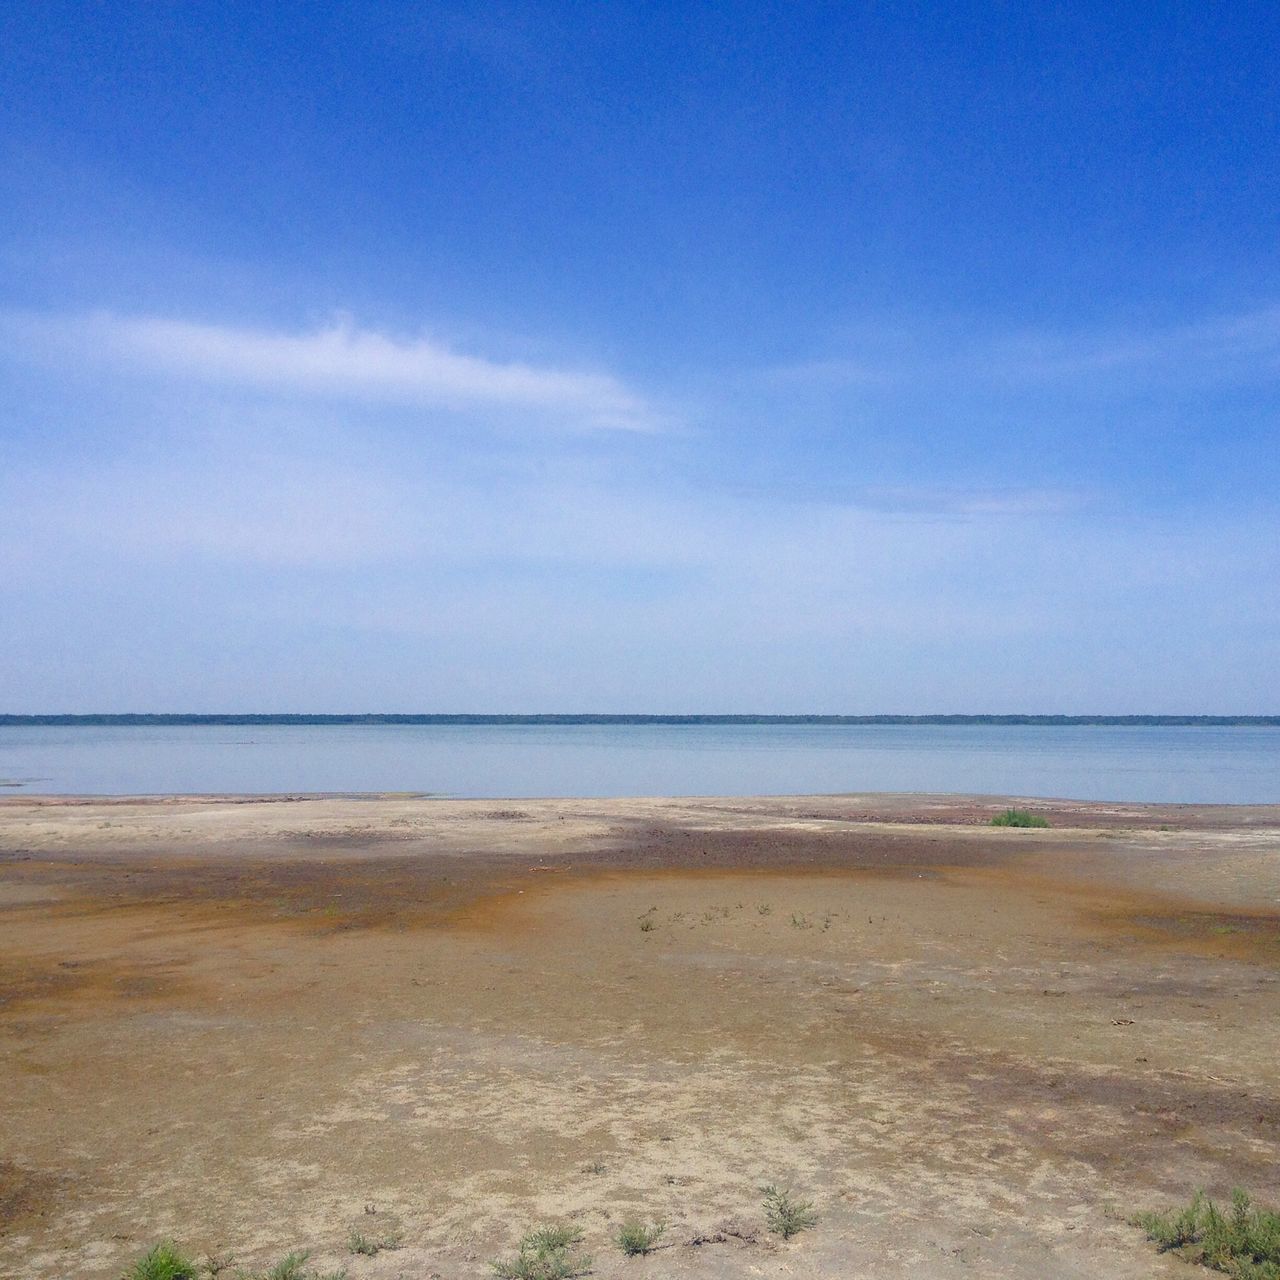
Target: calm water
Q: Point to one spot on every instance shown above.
(1226, 765)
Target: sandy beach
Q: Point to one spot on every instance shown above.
(252, 1025)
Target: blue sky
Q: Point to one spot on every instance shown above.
(794, 358)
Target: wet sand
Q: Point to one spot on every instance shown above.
(243, 1023)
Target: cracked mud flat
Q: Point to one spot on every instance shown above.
(241, 1023)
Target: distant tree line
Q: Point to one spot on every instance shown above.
(177, 718)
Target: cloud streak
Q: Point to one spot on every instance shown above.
(1239, 348)
(344, 361)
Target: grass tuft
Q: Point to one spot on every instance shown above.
(163, 1261)
(636, 1238)
(1244, 1242)
(1019, 818)
(786, 1216)
(370, 1246)
(546, 1253)
(293, 1266)
(557, 1235)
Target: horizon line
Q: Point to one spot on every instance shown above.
(142, 718)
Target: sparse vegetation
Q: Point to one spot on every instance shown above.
(370, 1246)
(290, 1267)
(1019, 818)
(647, 924)
(1244, 1242)
(786, 1216)
(557, 1235)
(546, 1253)
(293, 1266)
(164, 1261)
(636, 1238)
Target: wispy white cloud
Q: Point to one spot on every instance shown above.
(314, 554)
(1237, 347)
(1220, 347)
(341, 360)
(971, 502)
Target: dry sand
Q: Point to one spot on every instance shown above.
(251, 1025)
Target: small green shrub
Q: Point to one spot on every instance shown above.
(647, 924)
(639, 1238)
(1245, 1243)
(786, 1216)
(370, 1246)
(1019, 818)
(293, 1266)
(163, 1261)
(546, 1253)
(556, 1235)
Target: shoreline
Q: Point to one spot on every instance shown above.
(942, 807)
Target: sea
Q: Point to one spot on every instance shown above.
(1237, 764)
